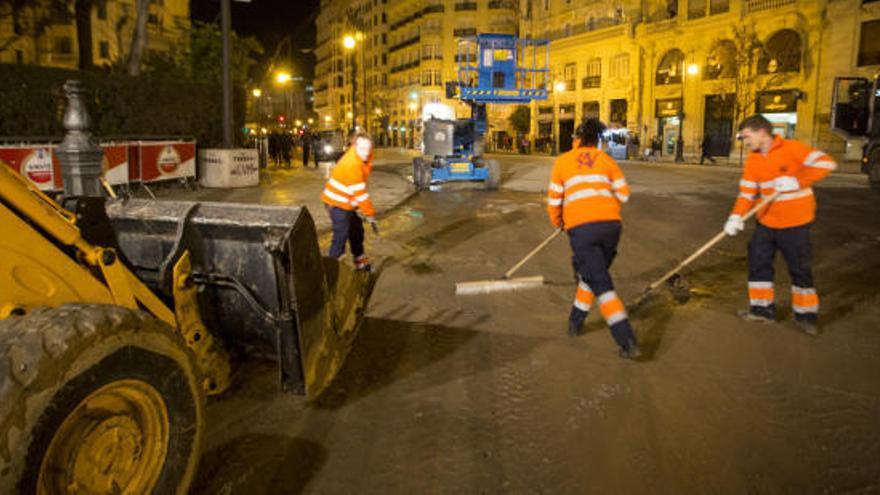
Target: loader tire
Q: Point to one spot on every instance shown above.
(97, 399)
(427, 174)
(874, 170)
(417, 173)
(494, 179)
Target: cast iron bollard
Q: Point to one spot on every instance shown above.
(80, 155)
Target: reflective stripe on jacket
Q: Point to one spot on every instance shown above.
(787, 157)
(347, 187)
(586, 185)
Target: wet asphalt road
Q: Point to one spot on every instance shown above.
(487, 394)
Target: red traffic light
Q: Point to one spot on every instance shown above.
(281, 118)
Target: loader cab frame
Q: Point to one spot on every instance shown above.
(855, 115)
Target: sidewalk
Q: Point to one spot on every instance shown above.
(296, 186)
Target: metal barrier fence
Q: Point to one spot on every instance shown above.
(124, 162)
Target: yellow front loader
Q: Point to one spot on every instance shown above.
(117, 319)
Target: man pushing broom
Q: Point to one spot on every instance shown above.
(584, 197)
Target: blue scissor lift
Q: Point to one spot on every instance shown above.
(492, 68)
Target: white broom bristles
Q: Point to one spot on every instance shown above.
(487, 286)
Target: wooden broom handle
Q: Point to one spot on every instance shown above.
(534, 252)
(715, 240)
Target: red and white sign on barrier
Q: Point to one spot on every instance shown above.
(164, 160)
(36, 163)
(147, 161)
(115, 163)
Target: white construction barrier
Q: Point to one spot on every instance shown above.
(223, 168)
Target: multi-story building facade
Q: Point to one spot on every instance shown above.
(671, 70)
(691, 68)
(405, 54)
(112, 22)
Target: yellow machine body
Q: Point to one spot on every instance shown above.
(44, 261)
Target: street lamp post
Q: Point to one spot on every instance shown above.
(349, 42)
(558, 87)
(692, 69)
(225, 22)
(413, 106)
(283, 79)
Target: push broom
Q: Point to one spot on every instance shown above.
(506, 283)
(680, 289)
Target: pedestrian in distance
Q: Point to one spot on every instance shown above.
(286, 148)
(584, 196)
(706, 148)
(306, 146)
(274, 148)
(790, 168)
(316, 140)
(657, 147)
(345, 195)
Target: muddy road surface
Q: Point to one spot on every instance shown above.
(487, 394)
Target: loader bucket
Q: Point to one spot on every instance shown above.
(264, 287)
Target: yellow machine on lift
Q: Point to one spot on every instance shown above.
(117, 318)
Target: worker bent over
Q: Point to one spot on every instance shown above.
(345, 194)
(790, 168)
(584, 197)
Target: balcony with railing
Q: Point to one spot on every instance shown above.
(501, 4)
(406, 20)
(406, 66)
(753, 6)
(586, 27)
(460, 6)
(590, 82)
(464, 32)
(434, 9)
(405, 43)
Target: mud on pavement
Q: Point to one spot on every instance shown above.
(488, 394)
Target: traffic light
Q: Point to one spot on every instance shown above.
(281, 119)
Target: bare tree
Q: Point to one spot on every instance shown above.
(746, 70)
(139, 38)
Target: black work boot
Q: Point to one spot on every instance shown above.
(762, 316)
(362, 263)
(807, 325)
(576, 322)
(630, 351)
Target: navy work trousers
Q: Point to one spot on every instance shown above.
(347, 227)
(794, 244)
(595, 246)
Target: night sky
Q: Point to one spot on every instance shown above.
(270, 21)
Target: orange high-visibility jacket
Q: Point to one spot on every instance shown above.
(347, 187)
(586, 185)
(787, 157)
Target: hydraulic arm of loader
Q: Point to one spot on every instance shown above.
(36, 271)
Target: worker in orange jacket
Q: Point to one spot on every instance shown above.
(584, 197)
(345, 194)
(791, 168)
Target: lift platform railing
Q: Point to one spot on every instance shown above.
(501, 68)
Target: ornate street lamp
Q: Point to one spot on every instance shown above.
(693, 70)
